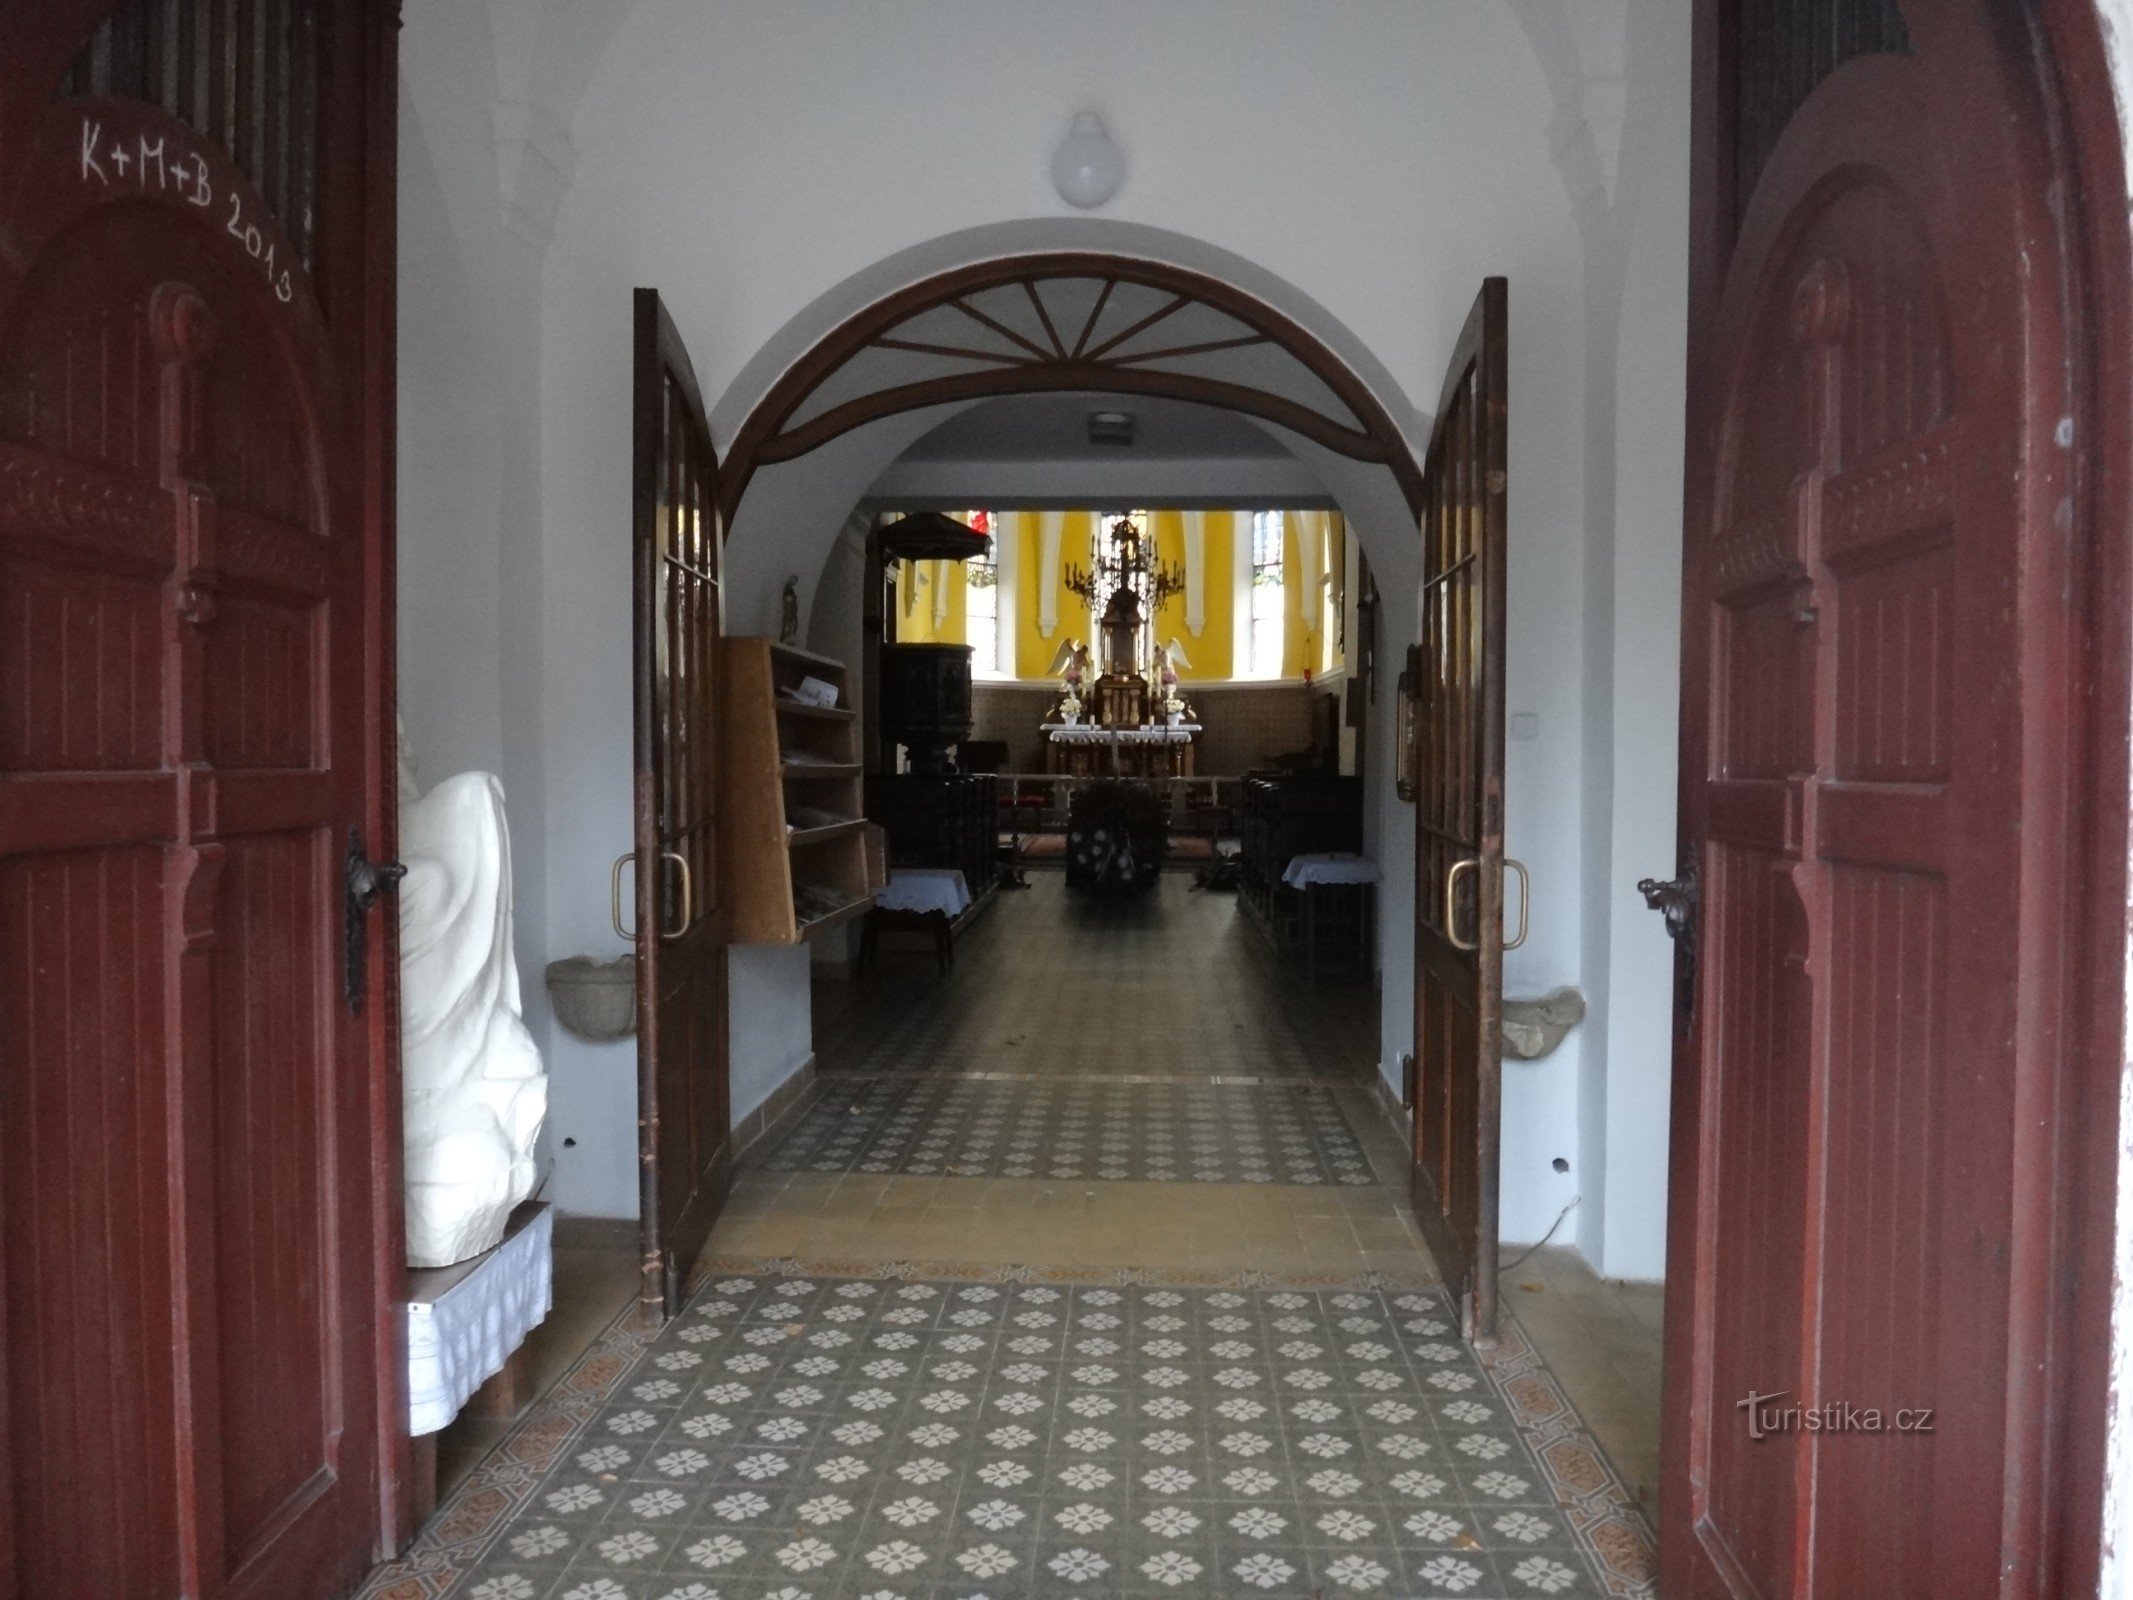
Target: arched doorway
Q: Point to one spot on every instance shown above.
(1045, 323)
(1102, 324)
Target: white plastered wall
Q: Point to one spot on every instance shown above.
(1620, 137)
(748, 161)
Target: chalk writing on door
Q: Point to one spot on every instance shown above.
(146, 162)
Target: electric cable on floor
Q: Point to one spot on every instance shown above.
(1512, 1266)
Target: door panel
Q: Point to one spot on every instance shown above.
(191, 698)
(91, 1430)
(277, 1311)
(683, 1093)
(1875, 606)
(1760, 1204)
(1459, 860)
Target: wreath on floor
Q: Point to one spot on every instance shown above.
(1116, 832)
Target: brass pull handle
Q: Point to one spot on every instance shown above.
(614, 896)
(1451, 884)
(688, 893)
(1451, 920)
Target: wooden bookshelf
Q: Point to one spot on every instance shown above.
(795, 849)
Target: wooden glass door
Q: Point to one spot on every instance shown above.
(681, 932)
(1459, 859)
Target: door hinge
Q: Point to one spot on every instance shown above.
(366, 882)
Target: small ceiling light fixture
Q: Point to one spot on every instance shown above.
(1087, 168)
(1110, 427)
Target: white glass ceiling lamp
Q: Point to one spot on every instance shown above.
(1087, 168)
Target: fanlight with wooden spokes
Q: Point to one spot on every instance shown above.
(1069, 322)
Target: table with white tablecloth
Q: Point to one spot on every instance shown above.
(1337, 886)
(1332, 866)
(925, 900)
(922, 889)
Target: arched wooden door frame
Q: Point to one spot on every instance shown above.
(2091, 146)
(1086, 353)
(2073, 95)
(1070, 359)
(1121, 355)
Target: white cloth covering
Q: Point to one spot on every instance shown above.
(1335, 866)
(457, 1340)
(925, 889)
(1064, 733)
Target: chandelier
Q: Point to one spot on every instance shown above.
(1126, 581)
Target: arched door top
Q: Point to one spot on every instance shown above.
(1069, 321)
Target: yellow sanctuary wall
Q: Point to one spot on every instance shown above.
(922, 618)
(1034, 650)
(933, 596)
(1211, 651)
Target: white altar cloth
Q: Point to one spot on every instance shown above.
(462, 1334)
(925, 889)
(1084, 733)
(1335, 866)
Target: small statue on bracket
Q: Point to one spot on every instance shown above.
(789, 619)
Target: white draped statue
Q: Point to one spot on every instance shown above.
(475, 1092)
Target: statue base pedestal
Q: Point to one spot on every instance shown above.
(463, 1322)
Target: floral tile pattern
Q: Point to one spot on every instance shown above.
(1076, 1128)
(803, 1433)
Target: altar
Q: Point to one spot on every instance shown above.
(1077, 750)
(1133, 723)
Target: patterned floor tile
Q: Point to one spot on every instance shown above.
(806, 1435)
(1172, 982)
(1076, 1128)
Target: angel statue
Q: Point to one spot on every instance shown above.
(1070, 665)
(1169, 660)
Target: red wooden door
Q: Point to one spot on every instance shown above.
(683, 1100)
(1459, 859)
(1877, 621)
(194, 371)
